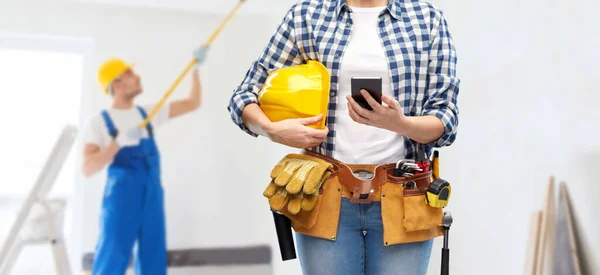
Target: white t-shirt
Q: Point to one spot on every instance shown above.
(364, 57)
(123, 119)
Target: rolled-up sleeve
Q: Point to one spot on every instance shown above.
(443, 84)
(280, 51)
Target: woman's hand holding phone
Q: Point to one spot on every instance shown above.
(387, 116)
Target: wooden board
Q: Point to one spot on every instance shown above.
(566, 243)
(545, 247)
(534, 240)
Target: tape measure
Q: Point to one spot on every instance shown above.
(438, 193)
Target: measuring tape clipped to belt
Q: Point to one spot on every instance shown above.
(437, 194)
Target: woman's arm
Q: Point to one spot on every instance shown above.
(422, 129)
(443, 89)
(280, 51)
(290, 132)
(389, 116)
(437, 124)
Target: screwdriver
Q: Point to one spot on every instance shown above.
(435, 165)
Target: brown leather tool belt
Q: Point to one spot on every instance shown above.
(366, 190)
(405, 215)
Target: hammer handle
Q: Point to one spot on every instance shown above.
(445, 261)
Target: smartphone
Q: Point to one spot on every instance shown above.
(371, 84)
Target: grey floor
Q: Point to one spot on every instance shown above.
(233, 270)
(44, 263)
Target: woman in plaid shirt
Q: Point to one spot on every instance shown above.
(408, 45)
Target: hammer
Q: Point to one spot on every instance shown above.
(446, 222)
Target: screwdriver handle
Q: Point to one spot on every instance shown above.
(435, 164)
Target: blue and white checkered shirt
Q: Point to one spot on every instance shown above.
(419, 49)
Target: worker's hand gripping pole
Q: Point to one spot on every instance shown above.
(446, 222)
(283, 226)
(189, 66)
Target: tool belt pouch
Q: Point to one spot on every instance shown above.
(418, 215)
(295, 189)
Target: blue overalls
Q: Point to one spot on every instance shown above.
(132, 209)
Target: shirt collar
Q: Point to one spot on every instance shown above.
(392, 7)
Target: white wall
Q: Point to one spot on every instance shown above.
(528, 102)
(221, 7)
(527, 98)
(209, 165)
(51, 72)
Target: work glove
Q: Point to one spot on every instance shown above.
(131, 137)
(296, 181)
(200, 54)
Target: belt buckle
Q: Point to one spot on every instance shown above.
(360, 181)
(366, 185)
(362, 198)
(364, 175)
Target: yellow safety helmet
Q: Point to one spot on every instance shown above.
(298, 91)
(111, 69)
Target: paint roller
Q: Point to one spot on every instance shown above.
(189, 67)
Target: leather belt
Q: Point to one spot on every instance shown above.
(366, 190)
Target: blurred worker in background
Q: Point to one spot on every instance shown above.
(408, 45)
(132, 205)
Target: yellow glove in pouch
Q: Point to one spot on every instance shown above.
(296, 181)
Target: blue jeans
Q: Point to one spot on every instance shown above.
(359, 249)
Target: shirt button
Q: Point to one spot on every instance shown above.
(332, 94)
(348, 25)
(337, 55)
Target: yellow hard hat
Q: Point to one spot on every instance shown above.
(111, 69)
(298, 91)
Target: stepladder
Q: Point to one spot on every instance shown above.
(43, 226)
(40, 219)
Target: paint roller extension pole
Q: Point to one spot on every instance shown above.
(229, 16)
(168, 93)
(189, 67)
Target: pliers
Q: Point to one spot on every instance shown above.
(421, 159)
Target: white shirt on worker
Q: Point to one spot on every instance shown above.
(123, 119)
(364, 57)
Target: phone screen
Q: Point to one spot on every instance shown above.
(371, 84)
